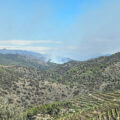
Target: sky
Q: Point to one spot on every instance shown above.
(78, 29)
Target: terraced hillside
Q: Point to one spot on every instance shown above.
(96, 106)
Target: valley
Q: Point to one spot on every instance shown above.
(39, 90)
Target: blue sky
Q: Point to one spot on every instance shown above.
(79, 29)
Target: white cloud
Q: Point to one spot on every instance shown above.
(27, 42)
(39, 49)
(29, 45)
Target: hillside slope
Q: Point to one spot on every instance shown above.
(58, 82)
(23, 60)
(101, 74)
(28, 86)
(95, 106)
(76, 85)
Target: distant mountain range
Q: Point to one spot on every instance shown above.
(42, 57)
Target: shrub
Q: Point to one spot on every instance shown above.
(9, 111)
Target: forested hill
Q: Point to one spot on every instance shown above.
(100, 74)
(24, 60)
(28, 82)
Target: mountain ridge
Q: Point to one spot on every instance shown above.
(42, 57)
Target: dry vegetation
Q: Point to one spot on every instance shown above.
(82, 89)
